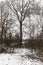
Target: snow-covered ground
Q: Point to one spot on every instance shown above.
(20, 57)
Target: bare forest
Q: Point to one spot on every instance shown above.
(21, 25)
(21, 32)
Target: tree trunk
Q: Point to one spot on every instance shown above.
(1, 37)
(20, 32)
(5, 35)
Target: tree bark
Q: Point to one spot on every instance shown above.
(20, 32)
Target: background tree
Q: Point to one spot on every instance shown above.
(5, 22)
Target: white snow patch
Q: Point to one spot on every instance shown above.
(17, 59)
(24, 51)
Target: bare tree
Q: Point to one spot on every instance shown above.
(20, 9)
(5, 22)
